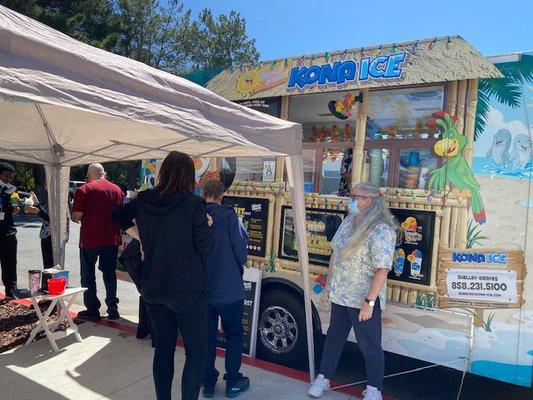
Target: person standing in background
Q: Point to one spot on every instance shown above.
(45, 234)
(225, 291)
(99, 239)
(363, 250)
(8, 232)
(172, 226)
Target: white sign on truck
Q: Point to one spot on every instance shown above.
(495, 286)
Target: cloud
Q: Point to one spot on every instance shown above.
(495, 122)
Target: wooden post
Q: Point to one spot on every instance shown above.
(454, 231)
(445, 230)
(470, 118)
(461, 101)
(436, 245)
(468, 153)
(280, 161)
(451, 106)
(358, 158)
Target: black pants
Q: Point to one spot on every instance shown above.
(8, 261)
(144, 327)
(107, 263)
(192, 324)
(231, 317)
(47, 252)
(368, 335)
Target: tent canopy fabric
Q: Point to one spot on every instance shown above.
(97, 106)
(64, 103)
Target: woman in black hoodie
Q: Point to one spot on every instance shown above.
(171, 224)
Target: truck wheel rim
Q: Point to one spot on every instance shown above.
(278, 330)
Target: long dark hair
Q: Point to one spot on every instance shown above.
(176, 174)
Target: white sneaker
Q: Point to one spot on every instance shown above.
(319, 385)
(372, 394)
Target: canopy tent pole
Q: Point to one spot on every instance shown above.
(57, 181)
(295, 174)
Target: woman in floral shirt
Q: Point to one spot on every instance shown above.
(363, 250)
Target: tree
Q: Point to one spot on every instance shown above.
(162, 36)
(153, 34)
(165, 38)
(156, 36)
(90, 21)
(220, 43)
(506, 90)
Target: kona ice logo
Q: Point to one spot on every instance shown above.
(480, 258)
(368, 68)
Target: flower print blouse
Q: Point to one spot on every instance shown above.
(351, 280)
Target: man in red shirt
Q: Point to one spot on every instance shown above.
(99, 239)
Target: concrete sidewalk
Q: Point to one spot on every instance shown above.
(111, 364)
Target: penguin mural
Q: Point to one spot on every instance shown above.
(499, 151)
(521, 154)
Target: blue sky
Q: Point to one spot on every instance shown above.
(295, 27)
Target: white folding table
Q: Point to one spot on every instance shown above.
(64, 301)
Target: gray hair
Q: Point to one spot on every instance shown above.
(367, 219)
(96, 171)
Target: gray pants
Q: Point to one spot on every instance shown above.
(368, 335)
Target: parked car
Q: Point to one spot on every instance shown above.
(73, 186)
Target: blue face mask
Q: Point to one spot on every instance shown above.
(352, 206)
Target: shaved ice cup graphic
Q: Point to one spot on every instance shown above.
(399, 262)
(398, 267)
(416, 267)
(416, 263)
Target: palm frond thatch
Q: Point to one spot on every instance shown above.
(506, 90)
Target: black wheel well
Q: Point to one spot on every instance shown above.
(286, 285)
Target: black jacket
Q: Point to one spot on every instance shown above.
(175, 237)
(7, 224)
(131, 260)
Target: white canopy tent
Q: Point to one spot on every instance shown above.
(64, 103)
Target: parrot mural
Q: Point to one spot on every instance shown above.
(455, 173)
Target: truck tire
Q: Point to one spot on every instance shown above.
(281, 335)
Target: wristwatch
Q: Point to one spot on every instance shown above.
(371, 303)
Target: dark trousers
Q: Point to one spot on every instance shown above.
(8, 261)
(107, 263)
(144, 327)
(231, 317)
(47, 252)
(368, 335)
(192, 325)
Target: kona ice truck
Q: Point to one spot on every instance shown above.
(446, 134)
